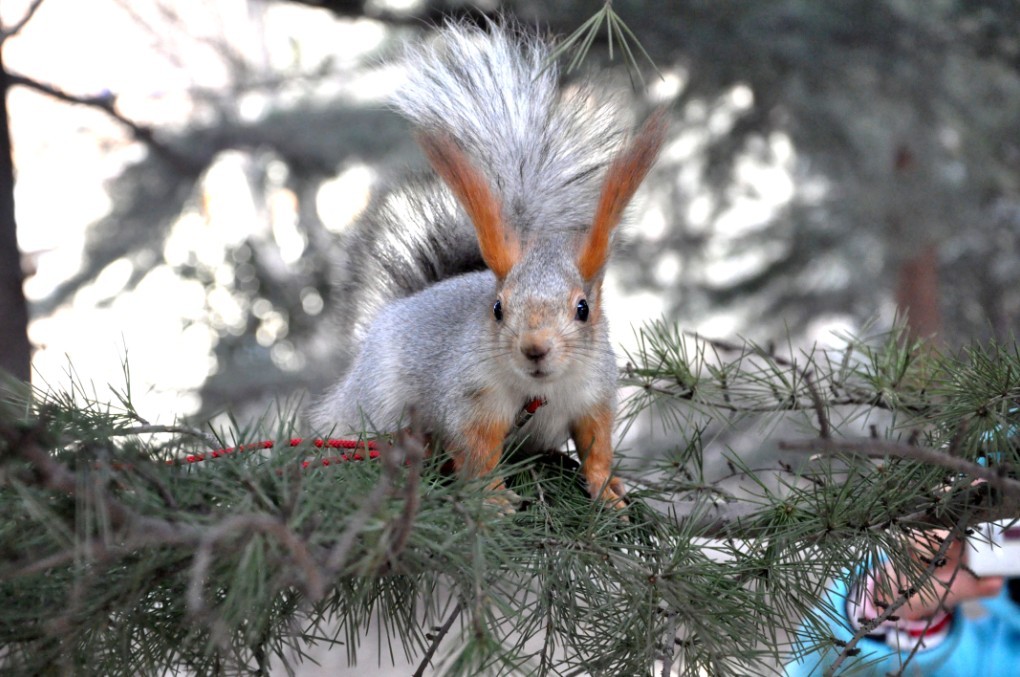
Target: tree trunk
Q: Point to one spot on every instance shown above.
(15, 352)
(917, 293)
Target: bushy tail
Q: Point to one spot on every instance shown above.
(408, 239)
(496, 92)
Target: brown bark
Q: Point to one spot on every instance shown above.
(917, 293)
(15, 351)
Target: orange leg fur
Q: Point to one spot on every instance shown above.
(483, 449)
(593, 438)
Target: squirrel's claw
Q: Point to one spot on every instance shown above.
(609, 490)
(505, 500)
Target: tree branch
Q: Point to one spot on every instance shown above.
(147, 429)
(824, 428)
(410, 448)
(107, 104)
(56, 477)
(904, 597)
(411, 442)
(313, 583)
(872, 448)
(437, 638)
(21, 23)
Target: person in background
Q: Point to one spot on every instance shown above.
(931, 634)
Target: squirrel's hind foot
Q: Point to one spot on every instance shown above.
(505, 500)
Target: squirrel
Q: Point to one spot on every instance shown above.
(475, 290)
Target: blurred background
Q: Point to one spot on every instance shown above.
(184, 169)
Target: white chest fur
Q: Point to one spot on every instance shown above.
(565, 400)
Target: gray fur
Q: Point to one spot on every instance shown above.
(438, 349)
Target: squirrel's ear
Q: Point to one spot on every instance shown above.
(500, 246)
(625, 174)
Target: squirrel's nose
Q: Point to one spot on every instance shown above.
(535, 350)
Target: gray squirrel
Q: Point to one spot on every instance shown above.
(470, 293)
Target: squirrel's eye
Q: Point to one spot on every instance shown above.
(582, 311)
(497, 311)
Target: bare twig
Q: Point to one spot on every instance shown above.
(824, 429)
(20, 23)
(56, 477)
(920, 642)
(669, 650)
(729, 347)
(371, 504)
(650, 384)
(412, 444)
(956, 443)
(716, 521)
(96, 552)
(141, 530)
(905, 596)
(737, 518)
(653, 382)
(548, 639)
(313, 582)
(476, 616)
(436, 639)
(107, 104)
(147, 429)
(151, 478)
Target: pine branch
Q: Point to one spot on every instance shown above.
(56, 477)
(148, 429)
(871, 448)
(225, 564)
(617, 33)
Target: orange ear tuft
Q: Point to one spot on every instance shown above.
(625, 174)
(500, 247)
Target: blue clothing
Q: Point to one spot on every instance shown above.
(987, 645)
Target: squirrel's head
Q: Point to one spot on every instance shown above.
(547, 310)
(545, 316)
